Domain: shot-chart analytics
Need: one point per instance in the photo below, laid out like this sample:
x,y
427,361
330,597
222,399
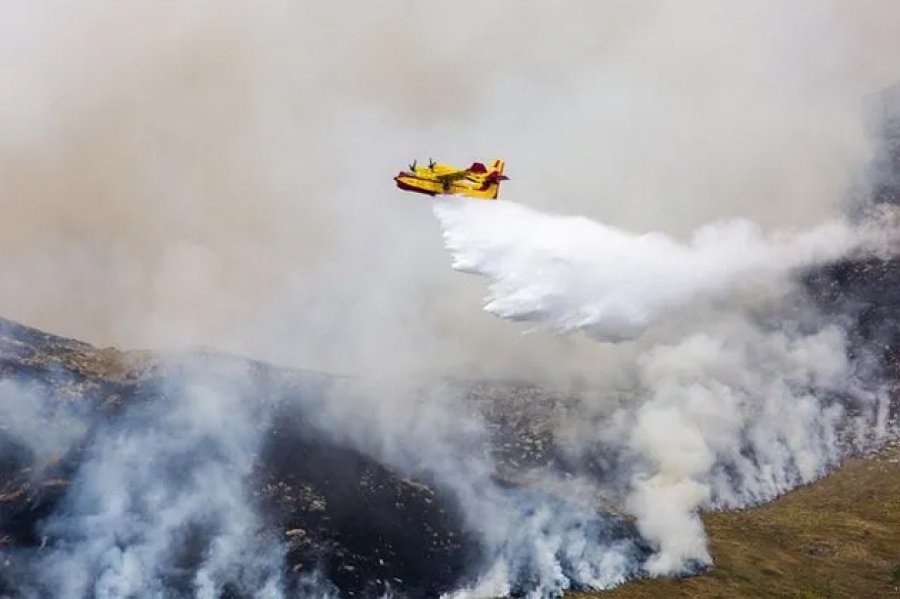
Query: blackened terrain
x,y
343,514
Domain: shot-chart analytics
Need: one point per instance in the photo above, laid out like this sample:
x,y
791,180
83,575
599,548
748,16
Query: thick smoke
x,y
28,418
219,173
533,543
161,484
728,409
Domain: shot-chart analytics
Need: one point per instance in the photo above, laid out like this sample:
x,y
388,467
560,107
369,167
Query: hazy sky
x,y
219,173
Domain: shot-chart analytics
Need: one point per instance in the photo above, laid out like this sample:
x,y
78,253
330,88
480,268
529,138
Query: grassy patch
x,y
839,537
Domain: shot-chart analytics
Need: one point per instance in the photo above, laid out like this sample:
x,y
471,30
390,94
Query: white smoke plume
x,y
732,418
531,542
729,415
159,482
30,420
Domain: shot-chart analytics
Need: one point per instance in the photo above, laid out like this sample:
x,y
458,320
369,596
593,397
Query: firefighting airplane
x,y
443,179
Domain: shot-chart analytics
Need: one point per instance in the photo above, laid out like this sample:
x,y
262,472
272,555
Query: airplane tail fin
x,y
495,177
497,166
490,187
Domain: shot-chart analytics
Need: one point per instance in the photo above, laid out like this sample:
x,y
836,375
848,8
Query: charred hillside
x,y
343,519
863,295
363,526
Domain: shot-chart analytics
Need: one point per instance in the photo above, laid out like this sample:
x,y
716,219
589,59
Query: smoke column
x,y
728,410
157,482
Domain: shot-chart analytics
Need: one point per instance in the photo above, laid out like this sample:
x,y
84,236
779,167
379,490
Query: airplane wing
x,y
452,176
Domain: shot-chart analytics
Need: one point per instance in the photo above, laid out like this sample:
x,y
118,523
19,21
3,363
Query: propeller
x,y
412,166
431,164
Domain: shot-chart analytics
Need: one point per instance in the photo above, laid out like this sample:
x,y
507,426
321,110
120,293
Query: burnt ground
x,y
342,514
864,297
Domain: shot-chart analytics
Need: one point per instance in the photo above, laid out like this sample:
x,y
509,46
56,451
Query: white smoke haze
x,y
216,173
212,172
531,541
155,482
31,420
733,415
729,420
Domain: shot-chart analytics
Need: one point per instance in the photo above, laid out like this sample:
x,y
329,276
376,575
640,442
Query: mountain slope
x,y
835,538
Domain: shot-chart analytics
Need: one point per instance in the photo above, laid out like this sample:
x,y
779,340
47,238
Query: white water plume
x,y
725,411
571,273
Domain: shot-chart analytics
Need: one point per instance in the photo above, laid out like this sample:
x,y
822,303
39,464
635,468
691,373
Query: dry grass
x,y
837,538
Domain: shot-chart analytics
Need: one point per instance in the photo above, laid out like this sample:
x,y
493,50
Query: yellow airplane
x,y
443,179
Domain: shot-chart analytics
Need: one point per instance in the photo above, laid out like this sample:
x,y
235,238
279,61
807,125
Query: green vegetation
x,y
839,537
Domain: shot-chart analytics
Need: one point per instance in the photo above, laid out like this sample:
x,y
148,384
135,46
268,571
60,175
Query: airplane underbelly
x,y
417,185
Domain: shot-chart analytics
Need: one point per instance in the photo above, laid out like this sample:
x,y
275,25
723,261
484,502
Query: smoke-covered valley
x,y
214,174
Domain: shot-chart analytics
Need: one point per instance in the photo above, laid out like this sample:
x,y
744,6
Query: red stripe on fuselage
x,y
407,187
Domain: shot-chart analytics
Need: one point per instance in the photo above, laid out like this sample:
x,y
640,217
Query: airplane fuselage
x,y
442,179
